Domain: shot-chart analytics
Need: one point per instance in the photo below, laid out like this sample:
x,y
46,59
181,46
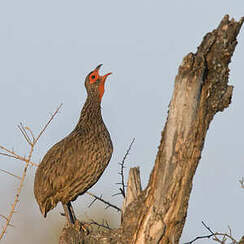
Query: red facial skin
x,y
94,76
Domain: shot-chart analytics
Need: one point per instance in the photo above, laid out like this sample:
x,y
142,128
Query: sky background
x,y
46,50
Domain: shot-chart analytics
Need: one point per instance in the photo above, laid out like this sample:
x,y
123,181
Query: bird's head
x,y
94,83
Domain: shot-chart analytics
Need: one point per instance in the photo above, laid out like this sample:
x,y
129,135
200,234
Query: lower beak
x,y
105,76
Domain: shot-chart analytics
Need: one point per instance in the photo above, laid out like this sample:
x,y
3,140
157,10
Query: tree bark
x,y
201,90
133,189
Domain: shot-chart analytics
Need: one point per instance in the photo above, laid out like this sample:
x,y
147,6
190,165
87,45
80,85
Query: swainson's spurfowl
x,y
75,164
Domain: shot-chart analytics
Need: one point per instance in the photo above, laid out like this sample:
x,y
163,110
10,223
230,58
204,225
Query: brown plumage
x,y
75,163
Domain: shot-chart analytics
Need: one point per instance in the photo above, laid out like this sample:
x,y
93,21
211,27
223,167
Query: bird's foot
x,y
79,226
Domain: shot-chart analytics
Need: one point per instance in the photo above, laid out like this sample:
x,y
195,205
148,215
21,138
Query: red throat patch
x,y
101,89
101,86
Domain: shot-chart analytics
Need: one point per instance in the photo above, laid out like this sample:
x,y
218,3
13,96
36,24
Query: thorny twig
x,y
4,217
9,173
23,130
102,200
47,124
122,164
199,237
215,236
10,153
104,224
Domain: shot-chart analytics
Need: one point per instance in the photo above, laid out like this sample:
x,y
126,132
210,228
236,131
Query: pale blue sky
x,y
46,50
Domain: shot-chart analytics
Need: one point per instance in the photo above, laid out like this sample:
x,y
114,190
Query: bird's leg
x,y
71,210
69,213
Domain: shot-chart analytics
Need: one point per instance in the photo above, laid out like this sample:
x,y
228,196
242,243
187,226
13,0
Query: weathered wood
x,y
200,92
158,214
133,188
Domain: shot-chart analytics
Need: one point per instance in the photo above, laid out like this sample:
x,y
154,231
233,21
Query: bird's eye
x,y
93,77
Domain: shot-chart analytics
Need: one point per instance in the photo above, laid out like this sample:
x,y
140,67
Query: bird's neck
x,y
90,114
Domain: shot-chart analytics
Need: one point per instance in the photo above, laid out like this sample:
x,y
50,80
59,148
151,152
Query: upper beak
x,y
104,77
99,66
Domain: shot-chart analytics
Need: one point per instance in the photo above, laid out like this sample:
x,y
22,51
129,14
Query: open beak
x,y
104,77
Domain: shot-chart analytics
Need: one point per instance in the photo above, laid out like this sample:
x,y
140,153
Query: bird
x,y
74,164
